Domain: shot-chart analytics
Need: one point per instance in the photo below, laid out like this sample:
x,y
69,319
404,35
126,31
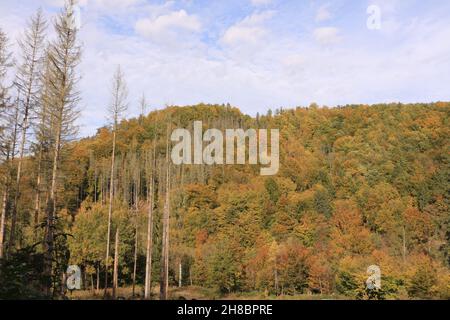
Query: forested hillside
x,y
358,186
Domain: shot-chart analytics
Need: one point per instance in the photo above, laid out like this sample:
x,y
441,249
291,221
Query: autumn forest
x,y
358,185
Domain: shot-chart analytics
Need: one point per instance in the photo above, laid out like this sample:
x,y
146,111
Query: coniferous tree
x,y
116,109
62,101
6,138
28,84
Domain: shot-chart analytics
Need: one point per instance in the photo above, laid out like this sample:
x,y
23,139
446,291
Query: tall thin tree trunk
x,y
135,254
119,91
12,233
180,275
3,216
51,214
116,265
404,244
63,57
4,208
135,239
9,162
166,227
111,198
276,281
148,264
28,75
98,280
37,199
135,263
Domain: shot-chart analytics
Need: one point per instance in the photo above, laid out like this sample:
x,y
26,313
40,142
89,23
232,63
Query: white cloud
x,y
327,35
167,25
251,65
294,60
257,3
104,4
115,3
323,14
55,3
249,31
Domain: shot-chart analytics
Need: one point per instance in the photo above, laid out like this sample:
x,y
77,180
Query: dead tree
x,y
164,288
28,84
116,266
7,136
116,109
64,55
151,197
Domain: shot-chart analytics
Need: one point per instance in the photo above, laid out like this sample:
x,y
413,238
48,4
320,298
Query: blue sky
x,y
255,54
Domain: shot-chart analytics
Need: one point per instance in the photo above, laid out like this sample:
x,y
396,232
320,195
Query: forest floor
x,y
195,293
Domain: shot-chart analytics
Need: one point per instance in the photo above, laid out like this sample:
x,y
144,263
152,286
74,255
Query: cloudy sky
x,y
255,54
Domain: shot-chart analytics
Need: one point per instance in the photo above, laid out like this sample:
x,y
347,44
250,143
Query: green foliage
x,y
347,284
357,186
88,241
422,283
224,272
272,190
21,275
322,203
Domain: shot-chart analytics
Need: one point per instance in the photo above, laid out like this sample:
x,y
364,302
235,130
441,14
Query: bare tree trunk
x,y
276,281
51,212
119,92
5,142
135,262
116,265
4,207
166,227
37,199
148,264
12,233
136,216
98,280
3,217
135,242
27,78
404,244
180,275
9,161
41,137
111,195
63,57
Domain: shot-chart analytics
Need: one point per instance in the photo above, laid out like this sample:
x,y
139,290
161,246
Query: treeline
x,y
42,100
358,186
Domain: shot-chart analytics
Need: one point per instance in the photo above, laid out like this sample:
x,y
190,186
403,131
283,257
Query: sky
x,y
254,54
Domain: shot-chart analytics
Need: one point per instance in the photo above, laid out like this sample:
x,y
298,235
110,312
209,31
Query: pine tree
x,y
28,84
64,56
7,135
116,109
